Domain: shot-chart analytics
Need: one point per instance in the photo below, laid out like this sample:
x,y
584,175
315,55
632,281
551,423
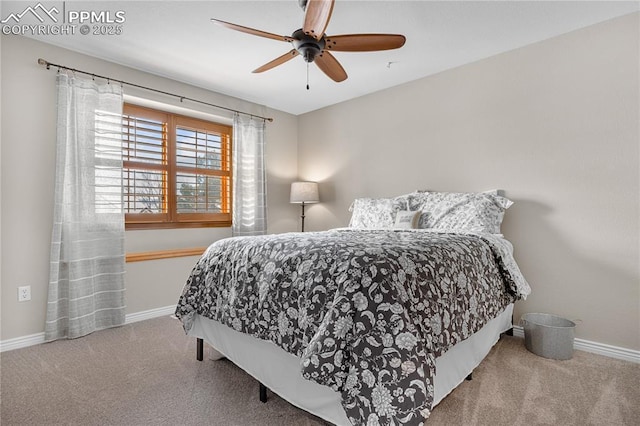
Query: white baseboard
x,y
21,342
36,339
151,313
595,348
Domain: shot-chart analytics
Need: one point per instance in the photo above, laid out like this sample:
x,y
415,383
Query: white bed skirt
x,y
280,371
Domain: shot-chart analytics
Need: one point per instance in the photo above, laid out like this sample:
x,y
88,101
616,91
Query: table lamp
x,y
304,193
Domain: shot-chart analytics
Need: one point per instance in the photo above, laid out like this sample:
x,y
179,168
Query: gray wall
x,y
554,124
28,164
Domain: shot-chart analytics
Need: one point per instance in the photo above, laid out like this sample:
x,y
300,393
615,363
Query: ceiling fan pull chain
x,y
307,75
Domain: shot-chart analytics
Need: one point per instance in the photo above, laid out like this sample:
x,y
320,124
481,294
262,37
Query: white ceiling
x,y
176,39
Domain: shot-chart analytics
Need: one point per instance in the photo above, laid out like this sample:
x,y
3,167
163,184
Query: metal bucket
x,y
548,336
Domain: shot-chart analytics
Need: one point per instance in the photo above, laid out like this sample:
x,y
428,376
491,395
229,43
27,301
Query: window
x,y
177,170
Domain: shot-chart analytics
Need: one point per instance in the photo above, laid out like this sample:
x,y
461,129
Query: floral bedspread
x,y
366,311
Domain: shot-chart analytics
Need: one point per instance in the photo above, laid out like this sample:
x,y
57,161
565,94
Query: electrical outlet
x,y
24,293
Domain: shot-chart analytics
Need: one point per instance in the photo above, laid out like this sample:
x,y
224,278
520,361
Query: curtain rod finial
x,y
43,62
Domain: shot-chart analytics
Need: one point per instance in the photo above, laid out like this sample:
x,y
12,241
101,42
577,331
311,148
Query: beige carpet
x,y
146,374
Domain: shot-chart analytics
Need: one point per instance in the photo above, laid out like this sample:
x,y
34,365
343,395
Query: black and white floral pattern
x,y
452,211
366,311
373,213
460,211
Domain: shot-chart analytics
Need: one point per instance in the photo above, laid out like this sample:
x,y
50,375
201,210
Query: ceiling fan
x,y
314,45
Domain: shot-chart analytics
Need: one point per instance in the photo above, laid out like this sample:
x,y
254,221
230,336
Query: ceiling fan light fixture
x,y
306,45
309,54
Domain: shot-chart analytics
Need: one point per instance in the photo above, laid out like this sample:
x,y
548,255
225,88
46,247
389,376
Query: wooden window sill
x,y
164,254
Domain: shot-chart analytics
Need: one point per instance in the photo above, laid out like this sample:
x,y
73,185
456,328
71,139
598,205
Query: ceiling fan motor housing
x,y
306,45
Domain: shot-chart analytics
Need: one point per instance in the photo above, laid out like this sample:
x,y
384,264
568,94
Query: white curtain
x,y
249,177
86,280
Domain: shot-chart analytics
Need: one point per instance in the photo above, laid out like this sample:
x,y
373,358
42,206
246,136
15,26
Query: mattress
x,y
280,371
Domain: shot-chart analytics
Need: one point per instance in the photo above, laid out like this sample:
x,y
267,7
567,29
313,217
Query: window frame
x,y
171,218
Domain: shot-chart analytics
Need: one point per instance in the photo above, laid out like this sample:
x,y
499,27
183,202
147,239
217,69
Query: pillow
x,y
372,213
375,212
474,212
407,219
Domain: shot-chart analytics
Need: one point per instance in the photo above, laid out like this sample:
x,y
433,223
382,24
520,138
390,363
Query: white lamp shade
x,y
304,192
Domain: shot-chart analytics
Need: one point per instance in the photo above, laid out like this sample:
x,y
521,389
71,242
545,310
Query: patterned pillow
x,y
475,212
375,212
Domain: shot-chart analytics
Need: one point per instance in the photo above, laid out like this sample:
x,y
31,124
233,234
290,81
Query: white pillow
x,y
407,219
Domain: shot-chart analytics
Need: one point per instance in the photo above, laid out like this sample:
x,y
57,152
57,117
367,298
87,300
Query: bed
x,y
370,324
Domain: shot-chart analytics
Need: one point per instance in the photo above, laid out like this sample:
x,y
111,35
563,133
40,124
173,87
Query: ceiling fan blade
x,y
278,61
251,31
364,42
330,66
316,17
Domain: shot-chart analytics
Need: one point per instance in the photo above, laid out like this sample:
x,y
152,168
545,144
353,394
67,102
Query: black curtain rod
x,y
182,98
